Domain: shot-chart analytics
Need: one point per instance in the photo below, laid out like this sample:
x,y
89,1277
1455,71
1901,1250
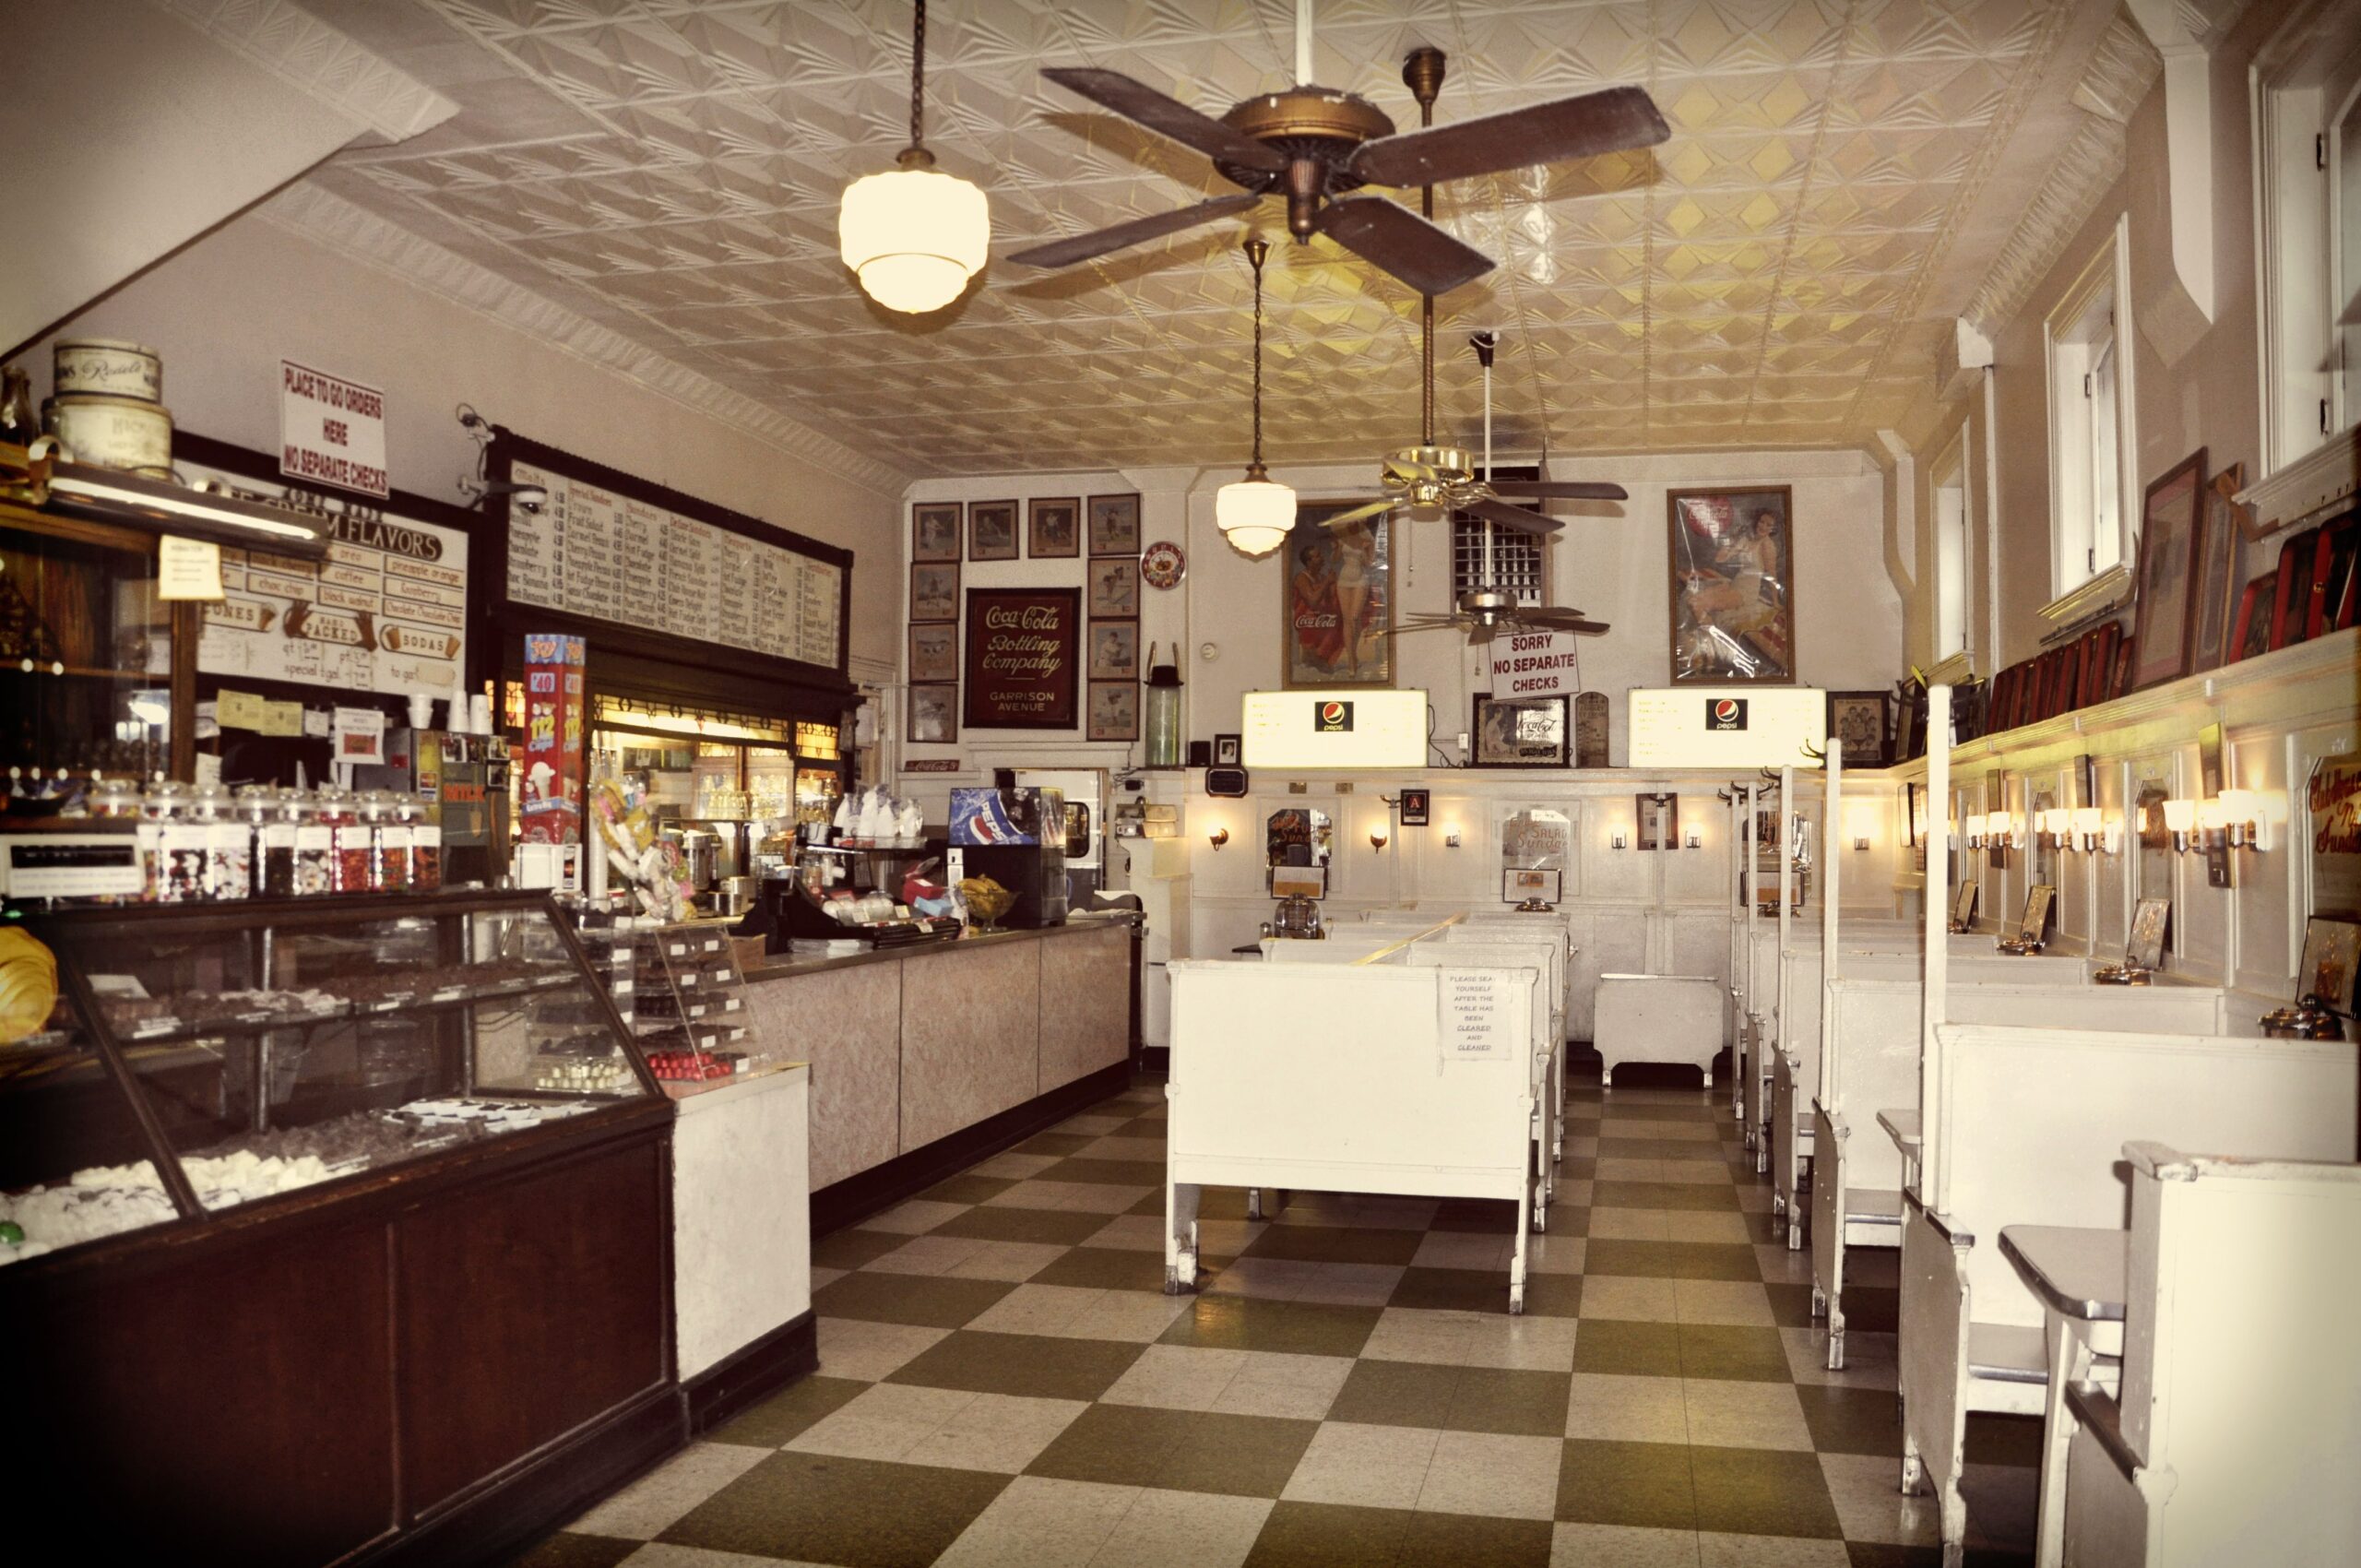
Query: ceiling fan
x,y
1488,608
1314,143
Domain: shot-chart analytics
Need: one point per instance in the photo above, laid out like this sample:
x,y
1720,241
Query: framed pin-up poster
x,y
1336,600
1732,586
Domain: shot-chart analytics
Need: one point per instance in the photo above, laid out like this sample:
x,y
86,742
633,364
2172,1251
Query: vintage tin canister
x,y
114,433
108,367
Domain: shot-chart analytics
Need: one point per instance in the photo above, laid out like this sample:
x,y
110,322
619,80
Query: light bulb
x,y
1255,514
914,236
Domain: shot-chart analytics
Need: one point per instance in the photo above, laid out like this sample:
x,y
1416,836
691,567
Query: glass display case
x,y
86,650
203,1057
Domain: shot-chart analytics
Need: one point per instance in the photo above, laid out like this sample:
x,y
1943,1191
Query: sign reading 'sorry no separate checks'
x,y
1024,659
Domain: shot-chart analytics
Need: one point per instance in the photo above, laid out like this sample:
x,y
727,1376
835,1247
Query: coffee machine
x,y
462,780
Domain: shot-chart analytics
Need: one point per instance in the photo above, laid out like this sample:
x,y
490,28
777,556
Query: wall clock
x,y
1162,564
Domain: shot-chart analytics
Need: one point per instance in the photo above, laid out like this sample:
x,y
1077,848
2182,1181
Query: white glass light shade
x,y
2180,815
1254,515
914,236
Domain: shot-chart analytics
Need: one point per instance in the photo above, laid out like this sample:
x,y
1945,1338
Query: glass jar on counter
x,y
160,805
340,814
258,810
114,798
315,868
425,848
274,846
183,842
391,830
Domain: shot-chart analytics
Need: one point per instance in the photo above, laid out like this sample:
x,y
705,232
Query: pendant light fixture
x,y
914,237
1257,512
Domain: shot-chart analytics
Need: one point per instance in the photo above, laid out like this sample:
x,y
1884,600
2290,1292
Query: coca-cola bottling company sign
x,y
1024,659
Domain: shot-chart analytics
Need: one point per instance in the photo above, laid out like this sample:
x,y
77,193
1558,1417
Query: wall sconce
x,y
2180,816
2243,821
1377,840
1694,838
1974,824
2058,823
2095,833
1619,837
1451,837
1217,838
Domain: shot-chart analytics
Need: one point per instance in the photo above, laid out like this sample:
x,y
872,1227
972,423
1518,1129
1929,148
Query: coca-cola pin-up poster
x,y
1337,601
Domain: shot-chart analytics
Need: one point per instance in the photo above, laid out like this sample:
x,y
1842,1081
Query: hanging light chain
x,y
1255,251
917,76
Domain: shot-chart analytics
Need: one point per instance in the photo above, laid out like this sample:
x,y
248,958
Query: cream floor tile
x,y
1226,1237
1687,1172
1268,1279
1519,1344
1730,1301
1631,1297
1870,1508
1626,1409
1868,1358
653,1504
1095,1124
1407,1335
1621,1546
1628,1225
1004,1433
851,1347
1505,1478
1351,1284
915,1218
1070,1197
1184,1529
1039,1522
1745,1415
928,1254
1705,1225
1179,1377
1132,1232
1011,1166
1038,1308
1684,1130
1133,1317
1718,1551
1270,1383
884,1422
1369,1467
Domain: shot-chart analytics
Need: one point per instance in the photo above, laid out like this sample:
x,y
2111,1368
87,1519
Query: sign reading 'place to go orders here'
x,y
331,431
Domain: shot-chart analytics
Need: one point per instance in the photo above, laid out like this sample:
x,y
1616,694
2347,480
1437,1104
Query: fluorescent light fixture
x,y
1727,726
107,495
1351,727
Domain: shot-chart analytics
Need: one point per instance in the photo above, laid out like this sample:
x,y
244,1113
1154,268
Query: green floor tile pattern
x,y
1327,1397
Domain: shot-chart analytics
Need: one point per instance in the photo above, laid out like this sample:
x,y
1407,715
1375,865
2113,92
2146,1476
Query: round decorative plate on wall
x,y
1162,566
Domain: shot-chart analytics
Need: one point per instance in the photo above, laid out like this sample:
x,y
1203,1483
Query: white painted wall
x,y
225,311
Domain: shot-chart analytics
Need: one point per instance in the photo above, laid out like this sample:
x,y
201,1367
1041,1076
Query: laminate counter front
x,y
914,1045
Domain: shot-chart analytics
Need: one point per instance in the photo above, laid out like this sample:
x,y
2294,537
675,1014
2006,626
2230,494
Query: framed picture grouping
x,y
1732,586
934,591
1115,525
1115,588
1053,528
1528,732
991,530
934,652
934,530
1337,601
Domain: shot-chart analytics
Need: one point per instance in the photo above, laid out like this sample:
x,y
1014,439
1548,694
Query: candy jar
x,y
188,817
315,862
158,808
390,837
339,814
230,841
425,850
275,845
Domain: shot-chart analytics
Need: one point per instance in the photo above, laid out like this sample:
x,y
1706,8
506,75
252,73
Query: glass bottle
x,y
274,846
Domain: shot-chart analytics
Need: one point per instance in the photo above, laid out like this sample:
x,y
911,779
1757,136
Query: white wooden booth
x,y
1377,1077
1549,1045
1676,1020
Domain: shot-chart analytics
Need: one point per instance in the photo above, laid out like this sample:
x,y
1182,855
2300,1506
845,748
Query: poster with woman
x,y
1733,595
1337,601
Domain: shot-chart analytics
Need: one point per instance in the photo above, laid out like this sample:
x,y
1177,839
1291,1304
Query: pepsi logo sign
x,y
1726,713
1332,718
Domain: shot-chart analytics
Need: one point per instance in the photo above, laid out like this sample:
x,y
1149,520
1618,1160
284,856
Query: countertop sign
x,y
1476,1015
331,431
1024,659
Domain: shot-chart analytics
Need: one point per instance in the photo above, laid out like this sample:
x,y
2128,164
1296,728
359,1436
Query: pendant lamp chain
x,y
1255,251
918,77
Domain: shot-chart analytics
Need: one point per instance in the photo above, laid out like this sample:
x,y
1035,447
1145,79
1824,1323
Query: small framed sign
x,y
1415,806
1531,884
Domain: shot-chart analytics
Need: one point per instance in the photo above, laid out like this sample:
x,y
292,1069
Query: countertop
x,y
781,966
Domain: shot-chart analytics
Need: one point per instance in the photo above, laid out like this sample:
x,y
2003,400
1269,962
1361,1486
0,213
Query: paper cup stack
x,y
107,406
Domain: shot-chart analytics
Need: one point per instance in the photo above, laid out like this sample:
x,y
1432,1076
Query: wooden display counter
x,y
924,1058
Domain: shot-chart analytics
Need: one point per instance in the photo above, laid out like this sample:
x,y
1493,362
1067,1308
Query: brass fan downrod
x,y
1422,73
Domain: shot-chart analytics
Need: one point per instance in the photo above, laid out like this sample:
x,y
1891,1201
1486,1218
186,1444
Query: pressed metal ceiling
x,y
1841,175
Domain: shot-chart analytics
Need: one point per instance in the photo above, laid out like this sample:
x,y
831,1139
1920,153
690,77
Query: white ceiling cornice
x,y
326,218
320,61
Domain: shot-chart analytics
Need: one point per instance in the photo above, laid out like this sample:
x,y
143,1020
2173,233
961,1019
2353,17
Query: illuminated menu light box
x,y
1355,727
1727,726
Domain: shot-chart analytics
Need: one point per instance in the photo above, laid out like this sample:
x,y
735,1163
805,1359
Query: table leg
x,y
2070,1361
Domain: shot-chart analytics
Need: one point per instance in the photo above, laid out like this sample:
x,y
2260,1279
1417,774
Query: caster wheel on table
x,y
1516,1302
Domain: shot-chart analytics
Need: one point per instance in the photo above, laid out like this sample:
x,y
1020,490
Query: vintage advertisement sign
x,y
552,758
331,431
1024,659
386,611
2332,801
1535,664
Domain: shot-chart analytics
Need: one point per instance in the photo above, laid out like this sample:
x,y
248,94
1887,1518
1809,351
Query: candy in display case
x,y
201,1058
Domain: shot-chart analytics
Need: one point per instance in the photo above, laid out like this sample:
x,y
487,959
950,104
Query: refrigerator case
x,y
1017,836
1087,806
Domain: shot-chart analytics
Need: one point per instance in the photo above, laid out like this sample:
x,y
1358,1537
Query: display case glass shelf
x,y
205,1057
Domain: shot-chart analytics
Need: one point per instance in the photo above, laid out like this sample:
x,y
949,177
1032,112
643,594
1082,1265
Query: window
x,y
2090,419
1517,560
1954,593
2307,185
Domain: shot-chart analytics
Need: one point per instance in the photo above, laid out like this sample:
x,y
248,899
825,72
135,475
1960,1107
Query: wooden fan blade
x,y
1082,247
1510,516
1564,621
1345,519
1402,243
1143,105
1611,121
1564,490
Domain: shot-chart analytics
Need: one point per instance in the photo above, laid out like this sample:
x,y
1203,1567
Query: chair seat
x,y
2007,1352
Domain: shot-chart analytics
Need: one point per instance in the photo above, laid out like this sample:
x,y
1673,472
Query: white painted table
x,y
1667,1018
2078,1273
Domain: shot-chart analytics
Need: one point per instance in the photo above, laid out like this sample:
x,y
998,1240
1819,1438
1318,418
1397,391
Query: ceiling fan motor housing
x,y
1316,128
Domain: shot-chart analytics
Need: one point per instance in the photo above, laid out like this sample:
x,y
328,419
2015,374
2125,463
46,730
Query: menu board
x,y
386,611
593,553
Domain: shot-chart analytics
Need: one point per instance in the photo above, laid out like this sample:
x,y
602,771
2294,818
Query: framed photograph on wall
x,y
1114,710
991,530
1416,805
1528,732
1114,650
1115,525
934,652
2221,570
1228,750
1053,528
934,591
934,530
2167,603
1732,588
1857,723
934,715
1336,600
1115,588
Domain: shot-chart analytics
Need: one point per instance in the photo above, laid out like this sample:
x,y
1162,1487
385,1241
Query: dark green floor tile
x,y
1513,1404
1063,1146
1761,1491
1326,1534
1733,1354
1454,1289
1628,1349
1480,1216
1113,1172
1236,1455
1673,1260
779,1419
860,1513
1644,1484
1663,1194
1566,1219
1852,1420
966,1189
2003,1440
1337,1243
1056,1225
1105,1269
1034,1366
566,1549
1791,1305
1398,1393
1465,1541
922,1300
854,1248
1112,1445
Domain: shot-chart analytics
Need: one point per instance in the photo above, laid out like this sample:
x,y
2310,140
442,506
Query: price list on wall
x,y
590,551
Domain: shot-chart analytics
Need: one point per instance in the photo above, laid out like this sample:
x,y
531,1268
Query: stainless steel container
x,y
114,433
737,896
701,852
108,367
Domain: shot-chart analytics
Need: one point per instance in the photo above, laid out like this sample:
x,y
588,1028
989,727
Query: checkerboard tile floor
x,y
1002,1382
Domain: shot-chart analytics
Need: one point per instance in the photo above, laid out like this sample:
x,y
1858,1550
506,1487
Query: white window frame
x,y
1952,509
2304,84
2084,550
